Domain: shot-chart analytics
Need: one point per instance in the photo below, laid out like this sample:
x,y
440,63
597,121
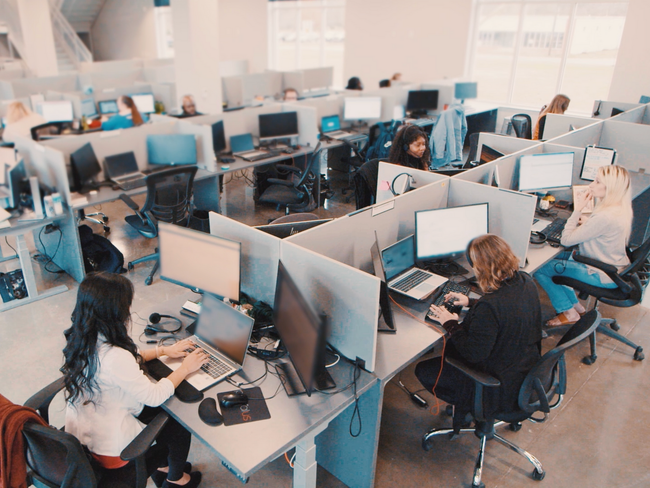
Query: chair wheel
x,y
614,326
148,280
515,427
105,218
426,445
449,410
480,485
107,229
130,266
638,354
537,476
589,360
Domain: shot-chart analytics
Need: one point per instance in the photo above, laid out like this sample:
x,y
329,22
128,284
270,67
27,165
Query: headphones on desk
x,y
537,237
153,327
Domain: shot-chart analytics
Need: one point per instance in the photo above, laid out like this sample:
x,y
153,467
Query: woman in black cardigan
x,y
500,335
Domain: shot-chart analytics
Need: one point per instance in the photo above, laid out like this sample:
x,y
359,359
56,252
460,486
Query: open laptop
x,y
401,274
331,127
386,320
107,107
222,332
122,169
242,146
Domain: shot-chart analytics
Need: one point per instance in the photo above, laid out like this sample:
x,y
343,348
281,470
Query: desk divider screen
x,y
260,253
388,172
307,123
630,141
646,115
511,213
503,144
602,109
203,137
325,106
349,298
558,124
583,137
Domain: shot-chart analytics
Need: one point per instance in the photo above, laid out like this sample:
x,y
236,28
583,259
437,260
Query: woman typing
x,y
128,115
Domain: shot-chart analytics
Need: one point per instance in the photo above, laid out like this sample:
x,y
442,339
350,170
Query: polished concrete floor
x,y
598,437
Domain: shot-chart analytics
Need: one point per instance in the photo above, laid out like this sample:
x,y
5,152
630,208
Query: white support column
x,y
36,24
196,52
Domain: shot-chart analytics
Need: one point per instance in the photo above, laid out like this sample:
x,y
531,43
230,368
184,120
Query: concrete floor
x,y
596,438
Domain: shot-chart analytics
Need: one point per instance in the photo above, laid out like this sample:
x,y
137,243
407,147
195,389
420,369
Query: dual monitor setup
x,y
212,265
63,110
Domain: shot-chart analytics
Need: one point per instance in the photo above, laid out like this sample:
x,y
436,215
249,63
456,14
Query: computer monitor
x,y
362,108
465,90
88,108
58,111
304,334
218,137
85,167
172,149
290,228
443,233
546,171
144,102
489,154
422,100
107,107
279,125
16,177
199,261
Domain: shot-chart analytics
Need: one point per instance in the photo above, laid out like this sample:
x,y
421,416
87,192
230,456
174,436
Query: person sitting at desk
x,y
128,115
500,335
20,121
354,83
558,105
410,148
290,95
189,107
602,236
109,398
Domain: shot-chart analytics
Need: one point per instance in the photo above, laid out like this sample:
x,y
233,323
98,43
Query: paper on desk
x,y
4,215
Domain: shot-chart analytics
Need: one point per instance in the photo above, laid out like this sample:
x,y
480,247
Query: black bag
x,y
98,252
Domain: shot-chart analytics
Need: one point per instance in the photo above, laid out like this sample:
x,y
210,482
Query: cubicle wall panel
x,y
388,173
581,137
348,297
634,115
307,123
325,106
259,258
558,124
204,147
630,142
602,109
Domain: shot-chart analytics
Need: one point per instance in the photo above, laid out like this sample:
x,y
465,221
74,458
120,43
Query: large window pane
x,y
335,41
286,37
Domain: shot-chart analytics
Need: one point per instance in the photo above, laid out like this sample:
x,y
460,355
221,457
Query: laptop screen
x,y
399,257
330,123
241,143
121,164
224,328
108,107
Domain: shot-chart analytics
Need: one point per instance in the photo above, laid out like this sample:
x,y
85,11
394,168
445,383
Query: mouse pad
x,y
239,414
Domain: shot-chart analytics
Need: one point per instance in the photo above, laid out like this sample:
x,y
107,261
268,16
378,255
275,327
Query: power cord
x,y
43,257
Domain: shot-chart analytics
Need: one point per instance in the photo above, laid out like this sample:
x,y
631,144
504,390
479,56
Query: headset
x,y
537,237
467,256
153,327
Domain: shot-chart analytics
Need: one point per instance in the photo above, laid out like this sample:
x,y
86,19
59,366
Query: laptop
x,y
331,127
401,274
108,107
386,320
243,147
223,332
122,169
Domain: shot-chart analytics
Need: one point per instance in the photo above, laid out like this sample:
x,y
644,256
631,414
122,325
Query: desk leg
x,y
305,466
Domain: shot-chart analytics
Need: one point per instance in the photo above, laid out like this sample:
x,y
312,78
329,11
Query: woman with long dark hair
x,y
109,398
411,148
128,115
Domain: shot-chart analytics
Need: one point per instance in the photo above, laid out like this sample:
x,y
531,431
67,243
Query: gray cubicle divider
x,y
602,109
581,137
634,115
260,255
30,86
325,106
388,173
503,144
6,90
630,141
232,91
646,115
558,124
203,136
348,297
316,78
112,92
511,213
307,123
445,91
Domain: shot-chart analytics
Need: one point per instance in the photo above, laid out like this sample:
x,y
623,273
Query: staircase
x,y
63,59
81,14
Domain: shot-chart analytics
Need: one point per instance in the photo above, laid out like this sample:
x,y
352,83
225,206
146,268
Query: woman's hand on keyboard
x,y
194,360
178,349
457,298
442,315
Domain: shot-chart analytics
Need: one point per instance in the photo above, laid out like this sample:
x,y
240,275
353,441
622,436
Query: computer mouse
x,y
233,399
208,412
225,166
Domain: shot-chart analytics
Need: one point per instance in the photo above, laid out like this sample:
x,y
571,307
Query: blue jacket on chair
x,y
448,136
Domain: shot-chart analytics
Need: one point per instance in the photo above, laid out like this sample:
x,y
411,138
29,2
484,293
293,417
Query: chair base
x,y
103,220
155,256
609,328
537,474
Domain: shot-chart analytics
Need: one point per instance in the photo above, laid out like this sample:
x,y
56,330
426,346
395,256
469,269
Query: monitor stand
x,y
445,268
418,114
293,385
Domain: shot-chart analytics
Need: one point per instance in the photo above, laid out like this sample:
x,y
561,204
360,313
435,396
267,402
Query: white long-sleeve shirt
x,y
108,425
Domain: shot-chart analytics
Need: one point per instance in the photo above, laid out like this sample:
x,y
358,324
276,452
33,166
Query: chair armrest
x,y
277,181
286,167
609,269
477,376
41,400
132,205
143,441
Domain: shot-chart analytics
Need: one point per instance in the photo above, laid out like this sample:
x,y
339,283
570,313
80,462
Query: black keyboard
x,y
132,183
411,281
553,231
259,157
439,299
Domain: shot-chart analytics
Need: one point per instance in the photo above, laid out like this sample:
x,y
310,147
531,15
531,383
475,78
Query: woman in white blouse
x,y
109,398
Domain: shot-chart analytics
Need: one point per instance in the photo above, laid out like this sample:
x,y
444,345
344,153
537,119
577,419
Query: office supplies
x,y
198,260
144,102
304,334
122,169
57,111
223,333
546,171
243,147
290,228
85,167
208,412
107,107
419,102
171,149
386,320
362,108
553,231
278,125
594,158
331,127
403,276
465,90
218,138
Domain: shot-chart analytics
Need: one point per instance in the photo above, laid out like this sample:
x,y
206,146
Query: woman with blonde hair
x,y
128,115
500,335
558,105
603,235
20,121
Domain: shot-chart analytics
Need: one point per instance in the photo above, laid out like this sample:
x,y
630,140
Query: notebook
x,y
403,276
122,169
222,332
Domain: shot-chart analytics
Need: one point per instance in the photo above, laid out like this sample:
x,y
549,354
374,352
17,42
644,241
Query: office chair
x,y
47,129
522,125
96,217
365,183
56,459
541,391
297,192
354,162
629,291
169,199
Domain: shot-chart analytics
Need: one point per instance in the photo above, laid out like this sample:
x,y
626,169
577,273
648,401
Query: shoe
x,y
159,477
560,320
195,479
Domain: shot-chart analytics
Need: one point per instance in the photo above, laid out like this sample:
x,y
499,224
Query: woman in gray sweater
x,y
602,235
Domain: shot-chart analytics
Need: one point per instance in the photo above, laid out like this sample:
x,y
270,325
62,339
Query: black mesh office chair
x,y
297,192
56,459
522,125
629,290
169,199
541,391
365,183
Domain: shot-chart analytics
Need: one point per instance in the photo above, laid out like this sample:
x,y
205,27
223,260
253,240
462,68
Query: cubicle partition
x,y
30,86
630,142
241,90
634,115
392,177
558,124
581,137
325,106
602,109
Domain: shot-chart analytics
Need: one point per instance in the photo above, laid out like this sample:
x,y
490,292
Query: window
x,y
307,34
526,51
164,32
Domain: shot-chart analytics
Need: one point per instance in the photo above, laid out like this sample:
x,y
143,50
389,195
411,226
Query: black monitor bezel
x,y
221,139
278,125
414,97
78,179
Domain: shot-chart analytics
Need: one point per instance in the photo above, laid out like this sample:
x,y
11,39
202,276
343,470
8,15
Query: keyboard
x,y
259,157
130,184
215,367
411,281
439,301
553,231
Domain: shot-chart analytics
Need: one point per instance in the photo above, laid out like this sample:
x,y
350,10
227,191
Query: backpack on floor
x,y
99,253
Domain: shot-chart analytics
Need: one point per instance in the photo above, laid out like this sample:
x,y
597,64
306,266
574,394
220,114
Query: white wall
x,y
631,77
423,40
125,29
243,32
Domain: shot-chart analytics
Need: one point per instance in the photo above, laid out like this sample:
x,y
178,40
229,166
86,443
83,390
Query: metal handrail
x,y
69,39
